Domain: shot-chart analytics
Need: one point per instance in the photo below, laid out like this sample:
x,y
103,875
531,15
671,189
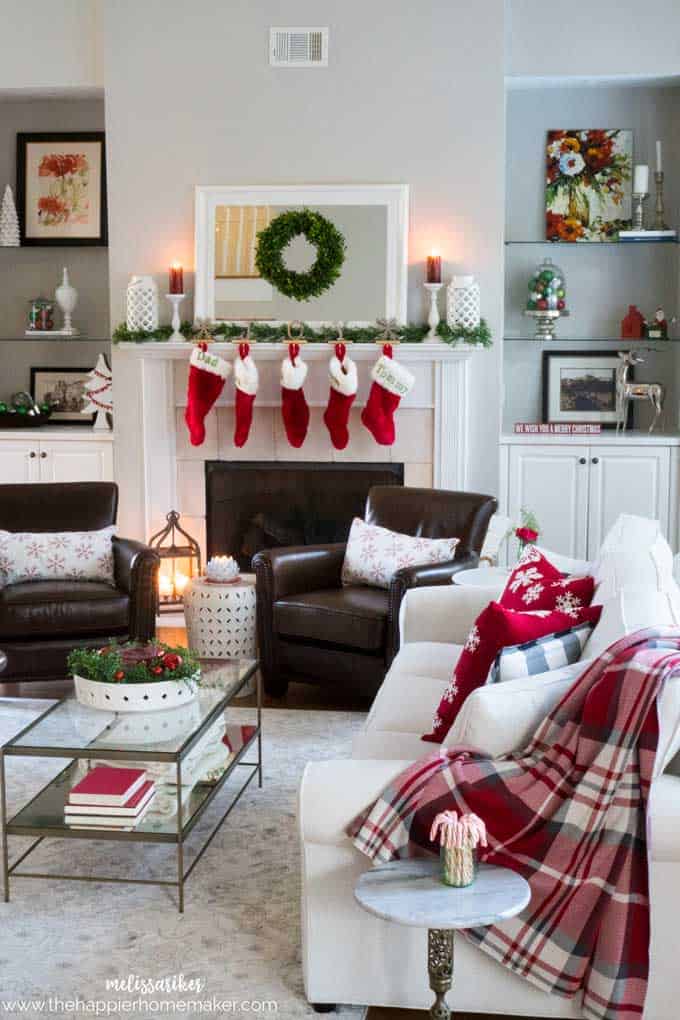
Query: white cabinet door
x,y
19,460
552,482
75,461
632,480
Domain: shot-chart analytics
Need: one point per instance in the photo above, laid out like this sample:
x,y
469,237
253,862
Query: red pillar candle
x,y
176,279
434,268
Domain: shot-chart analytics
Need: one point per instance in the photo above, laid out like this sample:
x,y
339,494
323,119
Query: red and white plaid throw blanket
x,y
568,813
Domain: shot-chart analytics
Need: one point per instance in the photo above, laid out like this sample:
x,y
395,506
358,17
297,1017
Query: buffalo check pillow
x,y
56,556
374,554
495,628
536,584
540,655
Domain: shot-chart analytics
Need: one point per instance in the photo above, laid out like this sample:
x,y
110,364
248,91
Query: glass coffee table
x,y
189,751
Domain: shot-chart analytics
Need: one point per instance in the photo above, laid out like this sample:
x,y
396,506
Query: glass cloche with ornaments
x,y
547,298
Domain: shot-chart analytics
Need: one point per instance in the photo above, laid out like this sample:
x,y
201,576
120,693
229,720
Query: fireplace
x,y
253,505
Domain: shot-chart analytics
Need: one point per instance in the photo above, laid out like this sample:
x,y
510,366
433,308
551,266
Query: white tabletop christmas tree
x,y
99,393
9,221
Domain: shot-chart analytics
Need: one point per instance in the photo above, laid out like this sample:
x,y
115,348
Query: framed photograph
x,y
61,188
588,184
64,389
580,386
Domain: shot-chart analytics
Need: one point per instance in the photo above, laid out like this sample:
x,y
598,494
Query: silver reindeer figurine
x,y
626,391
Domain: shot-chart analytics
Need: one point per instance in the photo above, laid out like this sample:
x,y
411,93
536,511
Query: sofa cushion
x,y
353,616
374,554
634,554
631,610
416,681
40,609
56,556
540,655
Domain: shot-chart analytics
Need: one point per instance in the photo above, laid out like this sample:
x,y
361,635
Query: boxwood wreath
x,y
134,662
321,233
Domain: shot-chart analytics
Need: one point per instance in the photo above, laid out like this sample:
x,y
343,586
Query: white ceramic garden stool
x,y
220,619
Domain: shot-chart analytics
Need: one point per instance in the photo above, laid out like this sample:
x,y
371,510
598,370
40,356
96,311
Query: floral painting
x,y
61,188
588,184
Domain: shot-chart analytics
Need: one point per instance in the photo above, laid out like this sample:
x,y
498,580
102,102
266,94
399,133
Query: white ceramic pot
x,y
151,697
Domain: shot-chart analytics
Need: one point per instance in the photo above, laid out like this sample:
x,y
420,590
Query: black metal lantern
x,y
180,556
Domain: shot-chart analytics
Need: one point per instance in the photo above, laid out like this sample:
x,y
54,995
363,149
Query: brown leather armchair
x,y
311,628
42,621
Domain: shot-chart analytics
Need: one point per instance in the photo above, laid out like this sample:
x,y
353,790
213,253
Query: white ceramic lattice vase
x,y
463,302
142,303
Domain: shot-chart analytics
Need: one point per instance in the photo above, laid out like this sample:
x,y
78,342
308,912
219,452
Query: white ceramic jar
x,y
463,305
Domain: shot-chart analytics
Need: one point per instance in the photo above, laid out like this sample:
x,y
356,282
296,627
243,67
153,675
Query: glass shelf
x,y
591,340
596,244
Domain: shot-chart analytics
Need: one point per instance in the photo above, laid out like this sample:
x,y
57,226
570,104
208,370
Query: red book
x,y
130,809
107,786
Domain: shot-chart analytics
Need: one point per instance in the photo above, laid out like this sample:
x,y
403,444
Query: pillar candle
x,y
641,179
434,268
659,163
176,279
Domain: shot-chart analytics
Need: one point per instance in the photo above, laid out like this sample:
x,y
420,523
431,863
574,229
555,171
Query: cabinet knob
x,y
43,454
582,460
32,454
596,460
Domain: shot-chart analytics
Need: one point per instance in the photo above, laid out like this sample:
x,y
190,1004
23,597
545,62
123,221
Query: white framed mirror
x,y
373,281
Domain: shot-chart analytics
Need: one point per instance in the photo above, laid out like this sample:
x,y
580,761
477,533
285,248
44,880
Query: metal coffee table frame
x,y
9,827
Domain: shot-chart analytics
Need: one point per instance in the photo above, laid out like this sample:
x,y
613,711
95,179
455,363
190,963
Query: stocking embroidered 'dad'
x,y
207,375
294,406
247,382
390,382
344,384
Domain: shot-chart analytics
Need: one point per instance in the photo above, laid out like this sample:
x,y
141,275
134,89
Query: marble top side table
x,y
412,893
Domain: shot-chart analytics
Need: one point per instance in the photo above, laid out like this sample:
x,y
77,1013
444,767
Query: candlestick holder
x,y
659,222
638,215
433,318
176,300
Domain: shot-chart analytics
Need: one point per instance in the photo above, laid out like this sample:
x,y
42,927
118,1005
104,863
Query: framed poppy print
x,y
61,188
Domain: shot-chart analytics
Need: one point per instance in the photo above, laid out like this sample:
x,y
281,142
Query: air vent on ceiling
x,y
298,47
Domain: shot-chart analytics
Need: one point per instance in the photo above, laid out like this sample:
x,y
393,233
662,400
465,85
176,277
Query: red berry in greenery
x,y
157,670
172,661
120,675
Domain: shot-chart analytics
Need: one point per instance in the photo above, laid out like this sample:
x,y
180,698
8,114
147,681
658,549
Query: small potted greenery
x,y
134,676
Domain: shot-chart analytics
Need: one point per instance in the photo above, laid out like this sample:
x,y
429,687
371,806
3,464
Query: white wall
x,y
50,44
190,99
609,37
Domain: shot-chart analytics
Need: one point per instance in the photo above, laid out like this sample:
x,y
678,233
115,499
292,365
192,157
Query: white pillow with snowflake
x,y
56,556
374,554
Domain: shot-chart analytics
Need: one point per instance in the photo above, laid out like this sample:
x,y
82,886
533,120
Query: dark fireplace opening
x,y
253,505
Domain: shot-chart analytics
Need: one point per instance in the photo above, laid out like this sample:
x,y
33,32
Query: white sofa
x,y
352,957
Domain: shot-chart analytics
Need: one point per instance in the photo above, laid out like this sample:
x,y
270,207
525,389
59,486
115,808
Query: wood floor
x,y
298,696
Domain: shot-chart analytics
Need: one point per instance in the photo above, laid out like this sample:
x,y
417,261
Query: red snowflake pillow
x,y
536,584
496,627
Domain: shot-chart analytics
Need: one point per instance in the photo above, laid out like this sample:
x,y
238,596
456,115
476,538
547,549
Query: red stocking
x,y
293,404
391,382
343,379
207,375
247,380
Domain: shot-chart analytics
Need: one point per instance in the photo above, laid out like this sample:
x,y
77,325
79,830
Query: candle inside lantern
x,y
165,589
659,161
181,581
176,278
434,268
641,179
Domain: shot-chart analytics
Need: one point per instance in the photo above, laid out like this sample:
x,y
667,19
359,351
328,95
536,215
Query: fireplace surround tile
x,y
191,487
413,444
418,476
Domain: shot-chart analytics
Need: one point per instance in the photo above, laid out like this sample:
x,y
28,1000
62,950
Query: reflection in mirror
x,y
240,293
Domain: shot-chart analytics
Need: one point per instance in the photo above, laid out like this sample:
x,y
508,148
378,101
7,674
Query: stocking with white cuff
x,y
247,380
294,406
343,380
391,382
207,375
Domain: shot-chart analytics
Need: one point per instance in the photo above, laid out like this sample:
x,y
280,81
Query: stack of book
x,y
109,798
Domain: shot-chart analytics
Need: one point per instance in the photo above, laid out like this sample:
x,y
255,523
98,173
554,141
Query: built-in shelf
x,y
656,344
55,339
594,245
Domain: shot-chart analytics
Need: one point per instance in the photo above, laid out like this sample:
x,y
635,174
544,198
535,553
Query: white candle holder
x,y
659,220
433,318
176,300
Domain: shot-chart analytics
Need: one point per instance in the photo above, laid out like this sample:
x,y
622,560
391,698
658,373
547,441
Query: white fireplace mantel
x,y
146,398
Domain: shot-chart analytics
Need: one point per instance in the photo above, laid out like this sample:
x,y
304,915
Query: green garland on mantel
x,y
261,332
